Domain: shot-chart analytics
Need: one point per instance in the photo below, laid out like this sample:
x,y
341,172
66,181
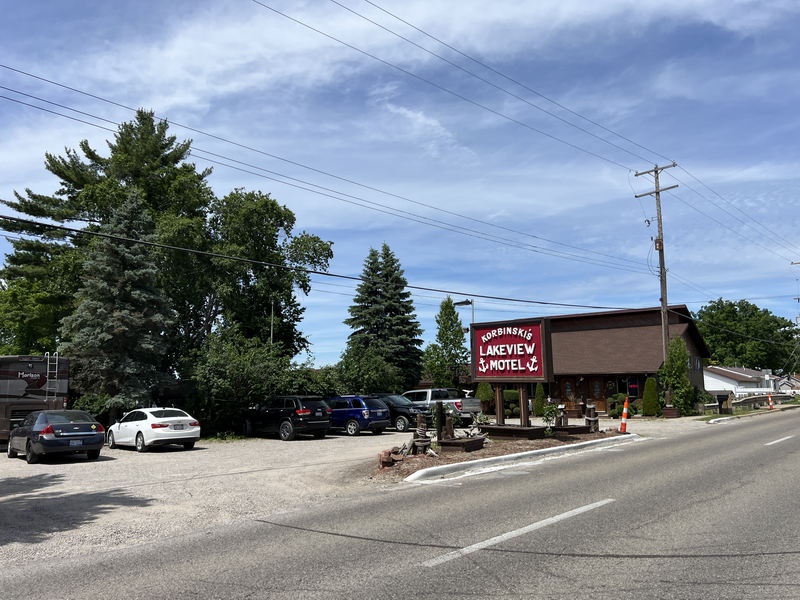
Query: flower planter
x,y
512,431
462,444
671,412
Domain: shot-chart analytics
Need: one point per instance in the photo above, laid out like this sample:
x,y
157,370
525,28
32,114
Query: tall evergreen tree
x,y
203,292
445,361
115,337
382,316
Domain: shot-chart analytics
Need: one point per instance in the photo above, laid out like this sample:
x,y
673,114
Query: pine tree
x,y
445,361
382,316
115,337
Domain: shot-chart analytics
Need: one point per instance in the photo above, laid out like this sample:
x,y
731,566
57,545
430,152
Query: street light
x,y
468,302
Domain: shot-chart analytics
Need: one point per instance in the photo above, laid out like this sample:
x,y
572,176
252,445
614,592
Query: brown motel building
x,y
587,358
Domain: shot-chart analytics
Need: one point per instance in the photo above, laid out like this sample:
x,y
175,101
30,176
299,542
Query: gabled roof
x,y
737,373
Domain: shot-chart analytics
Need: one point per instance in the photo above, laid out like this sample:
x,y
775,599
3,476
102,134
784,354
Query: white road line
x,y
512,534
783,439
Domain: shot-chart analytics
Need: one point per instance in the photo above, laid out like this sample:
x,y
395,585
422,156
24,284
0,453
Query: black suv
x,y
403,412
289,415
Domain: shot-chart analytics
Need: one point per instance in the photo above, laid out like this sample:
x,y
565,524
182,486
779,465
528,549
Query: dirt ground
x,y
411,464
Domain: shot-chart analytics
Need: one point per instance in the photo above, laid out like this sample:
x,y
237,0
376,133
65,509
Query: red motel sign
x,y
511,351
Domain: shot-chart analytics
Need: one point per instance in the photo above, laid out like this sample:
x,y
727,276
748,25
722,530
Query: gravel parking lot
x,y
68,505
65,506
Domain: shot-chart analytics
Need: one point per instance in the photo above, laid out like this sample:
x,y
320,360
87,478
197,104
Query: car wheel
x,y
188,445
286,431
30,456
352,427
401,424
377,431
93,454
10,452
111,442
140,446
320,434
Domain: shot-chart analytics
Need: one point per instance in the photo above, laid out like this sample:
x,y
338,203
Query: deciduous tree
x,y
742,334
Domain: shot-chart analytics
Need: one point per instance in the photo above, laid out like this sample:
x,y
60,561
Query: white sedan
x,y
145,427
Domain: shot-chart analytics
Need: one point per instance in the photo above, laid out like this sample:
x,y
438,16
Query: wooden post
x,y
439,419
500,415
524,413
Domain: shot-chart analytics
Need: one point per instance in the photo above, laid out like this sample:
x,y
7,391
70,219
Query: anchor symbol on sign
x,y
484,367
533,364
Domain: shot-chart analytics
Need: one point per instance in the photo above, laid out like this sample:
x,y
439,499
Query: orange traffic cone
x,y
624,425
770,401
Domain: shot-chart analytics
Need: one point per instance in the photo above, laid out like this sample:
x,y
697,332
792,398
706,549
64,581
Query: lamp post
x,y
468,302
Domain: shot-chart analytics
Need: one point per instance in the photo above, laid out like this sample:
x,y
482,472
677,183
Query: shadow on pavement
x,y
30,511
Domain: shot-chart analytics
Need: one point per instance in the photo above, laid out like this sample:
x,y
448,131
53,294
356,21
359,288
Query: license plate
x,y
177,426
318,413
76,443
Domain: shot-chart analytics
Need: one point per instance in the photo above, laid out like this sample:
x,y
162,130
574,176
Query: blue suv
x,y
354,413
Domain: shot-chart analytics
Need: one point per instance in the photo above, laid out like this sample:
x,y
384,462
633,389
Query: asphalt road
x,y
710,514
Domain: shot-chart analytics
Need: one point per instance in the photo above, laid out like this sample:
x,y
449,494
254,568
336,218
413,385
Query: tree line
x,y
145,324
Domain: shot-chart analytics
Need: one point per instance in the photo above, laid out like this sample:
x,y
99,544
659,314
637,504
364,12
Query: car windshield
x,y
374,403
69,416
397,400
167,413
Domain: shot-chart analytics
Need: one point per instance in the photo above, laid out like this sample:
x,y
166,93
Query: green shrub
x,y
510,397
508,412
538,401
516,411
650,400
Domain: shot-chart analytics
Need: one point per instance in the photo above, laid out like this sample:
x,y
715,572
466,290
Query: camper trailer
x,y
29,383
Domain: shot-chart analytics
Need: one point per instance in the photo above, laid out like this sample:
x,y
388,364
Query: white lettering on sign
x,y
523,333
28,376
507,349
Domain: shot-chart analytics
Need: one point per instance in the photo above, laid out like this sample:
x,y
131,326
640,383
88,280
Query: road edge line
x,y
435,472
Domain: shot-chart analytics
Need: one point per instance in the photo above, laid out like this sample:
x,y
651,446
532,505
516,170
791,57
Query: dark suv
x,y
403,412
354,413
289,415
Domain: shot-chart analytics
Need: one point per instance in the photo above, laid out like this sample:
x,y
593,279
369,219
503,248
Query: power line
x,y
729,213
488,82
519,83
443,88
791,245
371,205
429,206
127,240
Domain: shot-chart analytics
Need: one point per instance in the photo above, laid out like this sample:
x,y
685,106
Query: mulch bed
x,y
403,469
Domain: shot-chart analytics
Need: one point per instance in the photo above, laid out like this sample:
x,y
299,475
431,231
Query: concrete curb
x,y
778,408
437,472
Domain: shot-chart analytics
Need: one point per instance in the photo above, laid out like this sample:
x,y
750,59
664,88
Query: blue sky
x,y
710,84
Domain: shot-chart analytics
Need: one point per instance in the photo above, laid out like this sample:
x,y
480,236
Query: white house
x,y
740,381
790,384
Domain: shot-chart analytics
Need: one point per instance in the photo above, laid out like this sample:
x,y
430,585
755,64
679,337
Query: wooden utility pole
x,y
659,242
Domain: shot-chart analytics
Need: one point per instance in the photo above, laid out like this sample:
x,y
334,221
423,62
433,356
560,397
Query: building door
x,y
596,392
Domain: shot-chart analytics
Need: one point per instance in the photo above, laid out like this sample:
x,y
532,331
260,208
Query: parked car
x,y
289,415
426,399
46,432
402,412
146,427
354,413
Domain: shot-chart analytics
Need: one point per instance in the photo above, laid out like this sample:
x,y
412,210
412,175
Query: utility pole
x,y
659,242
797,318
